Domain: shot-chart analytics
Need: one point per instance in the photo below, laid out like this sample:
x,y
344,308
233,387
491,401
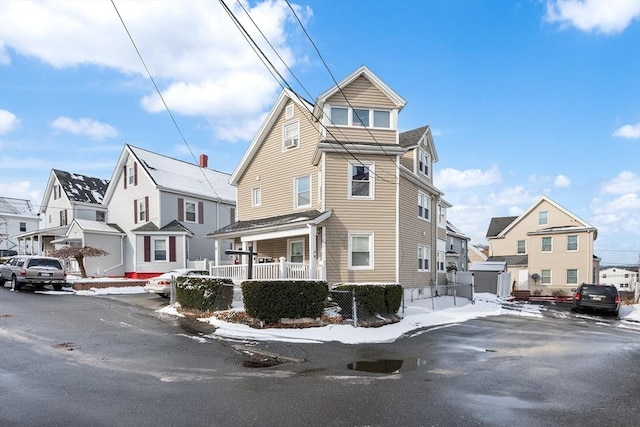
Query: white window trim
x,y
372,180
429,200
371,237
427,161
256,196
296,192
542,245
550,278
577,243
131,175
195,207
286,145
577,276
525,247
289,252
142,210
426,255
329,121
440,261
442,215
540,218
288,111
153,248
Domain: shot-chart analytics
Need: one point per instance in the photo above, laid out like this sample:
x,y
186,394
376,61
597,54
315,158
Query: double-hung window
x,y
545,277
360,251
424,206
142,210
547,244
442,216
160,249
23,226
572,243
361,180
424,163
291,135
303,191
190,211
522,247
441,260
131,174
256,196
572,276
543,218
424,255
296,250
63,217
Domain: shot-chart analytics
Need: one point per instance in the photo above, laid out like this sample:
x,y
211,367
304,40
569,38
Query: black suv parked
x,y
596,297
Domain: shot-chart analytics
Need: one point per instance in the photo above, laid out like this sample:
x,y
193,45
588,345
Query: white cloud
x,y
21,190
617,216
607,17
562,181
452,178
625,182
85,126
8,121
517,195
628,131
198,58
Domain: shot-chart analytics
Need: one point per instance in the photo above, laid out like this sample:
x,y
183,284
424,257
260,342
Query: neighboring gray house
x,y
165,207
16,216
68,196
457,248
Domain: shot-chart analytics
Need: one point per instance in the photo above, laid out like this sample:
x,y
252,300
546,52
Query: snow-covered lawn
x,y
418,317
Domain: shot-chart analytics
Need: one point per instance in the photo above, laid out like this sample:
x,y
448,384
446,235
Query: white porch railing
x,y
267,271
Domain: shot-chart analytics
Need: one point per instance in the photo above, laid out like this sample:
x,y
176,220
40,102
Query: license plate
x,y
45,274
597,297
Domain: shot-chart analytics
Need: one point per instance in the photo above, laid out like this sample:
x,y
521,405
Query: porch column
x,y
313,255
216,252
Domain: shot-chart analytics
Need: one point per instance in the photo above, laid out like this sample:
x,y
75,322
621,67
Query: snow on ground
x,y
418,316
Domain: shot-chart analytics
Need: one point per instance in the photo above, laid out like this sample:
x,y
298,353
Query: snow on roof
x,y
185,177
89,225
82,188
21,207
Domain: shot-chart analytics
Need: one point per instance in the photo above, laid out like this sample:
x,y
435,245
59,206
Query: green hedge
x,y
376,299
270,301
204,293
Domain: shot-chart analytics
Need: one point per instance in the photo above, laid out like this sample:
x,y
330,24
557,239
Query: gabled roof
x,y
76,187
362,71
175,176
271,223
17,207
477,251
285,96
453,230
498,224
412,139
511,260
583,223
172,227
97,226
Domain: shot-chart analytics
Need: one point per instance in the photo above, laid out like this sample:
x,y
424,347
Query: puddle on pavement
x,y
259,363
385,366
193,326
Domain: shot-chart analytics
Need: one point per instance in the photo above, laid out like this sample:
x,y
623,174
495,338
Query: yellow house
x,y
333,191
547,249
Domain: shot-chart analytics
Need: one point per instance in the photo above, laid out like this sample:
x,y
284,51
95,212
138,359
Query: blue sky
x,y
525,98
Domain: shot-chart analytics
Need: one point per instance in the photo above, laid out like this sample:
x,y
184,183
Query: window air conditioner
x,y
290,142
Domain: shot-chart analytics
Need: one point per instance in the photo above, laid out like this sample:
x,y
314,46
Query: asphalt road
x,y
113,361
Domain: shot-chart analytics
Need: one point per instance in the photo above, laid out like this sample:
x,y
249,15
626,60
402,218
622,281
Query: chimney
x,y
204,161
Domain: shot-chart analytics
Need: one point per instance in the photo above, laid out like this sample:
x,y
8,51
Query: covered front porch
x,y
290,247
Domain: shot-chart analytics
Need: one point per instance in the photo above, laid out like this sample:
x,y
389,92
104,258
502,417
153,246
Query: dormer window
x,y
360,117
424,163
291,135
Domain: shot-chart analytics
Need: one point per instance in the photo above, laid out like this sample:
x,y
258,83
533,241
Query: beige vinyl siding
x,y
413,232
274,170
408,159
375,216
361,93
442,232
360,134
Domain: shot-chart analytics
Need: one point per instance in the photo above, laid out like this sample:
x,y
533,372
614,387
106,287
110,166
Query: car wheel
x,y
1,281
57,287
15,285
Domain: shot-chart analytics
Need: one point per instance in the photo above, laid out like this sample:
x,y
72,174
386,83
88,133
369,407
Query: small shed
x,y
488,275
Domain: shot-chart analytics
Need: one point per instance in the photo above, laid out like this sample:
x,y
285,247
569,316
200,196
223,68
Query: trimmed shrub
x,y
270,301
204,293
376,299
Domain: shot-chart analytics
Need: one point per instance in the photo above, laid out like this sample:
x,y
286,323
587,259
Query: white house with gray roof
x,y
165,207
16,216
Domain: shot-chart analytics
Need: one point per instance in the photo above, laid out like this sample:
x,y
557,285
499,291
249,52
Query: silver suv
x,y
34,271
